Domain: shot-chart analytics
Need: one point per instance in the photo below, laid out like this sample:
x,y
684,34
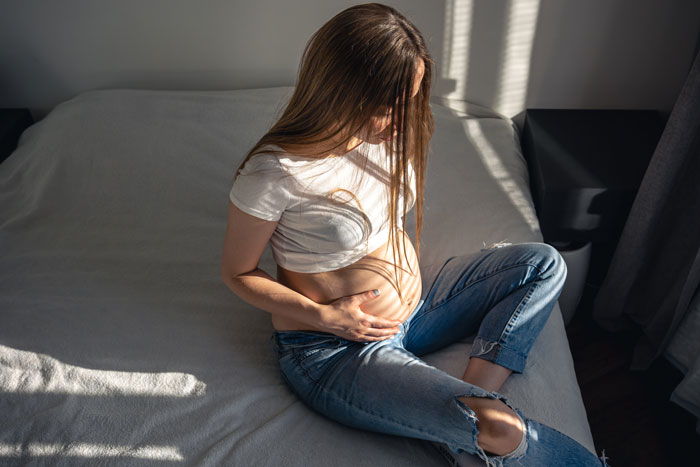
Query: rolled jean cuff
x,y
498,354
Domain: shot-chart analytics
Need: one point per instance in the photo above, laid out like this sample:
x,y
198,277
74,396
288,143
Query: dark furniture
x,y
585,169
12,123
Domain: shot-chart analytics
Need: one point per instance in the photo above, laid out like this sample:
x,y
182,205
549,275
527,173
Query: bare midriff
x,y
373,271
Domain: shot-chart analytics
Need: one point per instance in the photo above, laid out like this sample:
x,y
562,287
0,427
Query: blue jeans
x,y
503,294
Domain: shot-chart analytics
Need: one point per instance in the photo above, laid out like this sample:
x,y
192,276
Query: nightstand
x,y
585,169
12,123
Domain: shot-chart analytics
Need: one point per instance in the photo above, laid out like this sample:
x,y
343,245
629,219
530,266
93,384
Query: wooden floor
x,y
630,413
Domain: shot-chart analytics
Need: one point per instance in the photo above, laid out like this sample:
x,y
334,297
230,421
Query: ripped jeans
x,y
505,294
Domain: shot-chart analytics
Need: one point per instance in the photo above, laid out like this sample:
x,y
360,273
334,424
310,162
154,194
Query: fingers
x,y
372,334
369,338
379,328
371,328
367,296
386,332
380,323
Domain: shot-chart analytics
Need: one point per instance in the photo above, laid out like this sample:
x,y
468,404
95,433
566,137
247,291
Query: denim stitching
x,y
475,281
312,343
362,409
300,355
304,370
517,311
429,289
438,274
404,425
373,414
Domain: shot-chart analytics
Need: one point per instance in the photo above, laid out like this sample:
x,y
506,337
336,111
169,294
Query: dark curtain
x,y
655,269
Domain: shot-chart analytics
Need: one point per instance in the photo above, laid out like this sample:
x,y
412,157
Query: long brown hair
x,y
359,64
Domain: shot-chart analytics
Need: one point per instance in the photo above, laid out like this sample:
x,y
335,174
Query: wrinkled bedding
x,y
120,344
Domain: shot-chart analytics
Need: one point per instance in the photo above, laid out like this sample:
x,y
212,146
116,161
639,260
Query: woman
x,y
329,186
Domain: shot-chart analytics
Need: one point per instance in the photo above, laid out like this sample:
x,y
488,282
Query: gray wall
x,y
506,55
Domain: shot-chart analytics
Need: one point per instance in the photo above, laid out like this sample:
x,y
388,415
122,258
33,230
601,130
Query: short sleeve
x,y
261,188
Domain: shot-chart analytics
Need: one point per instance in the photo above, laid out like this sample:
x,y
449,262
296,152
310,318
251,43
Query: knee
x,y
552,263
499,427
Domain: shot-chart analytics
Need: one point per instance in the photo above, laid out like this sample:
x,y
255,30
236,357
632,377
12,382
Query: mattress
x,y
121,345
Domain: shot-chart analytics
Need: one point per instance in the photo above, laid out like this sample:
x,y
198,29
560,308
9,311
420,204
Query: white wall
x,y
506,55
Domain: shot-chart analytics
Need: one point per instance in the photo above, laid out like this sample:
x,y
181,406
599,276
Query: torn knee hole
x,y
497,431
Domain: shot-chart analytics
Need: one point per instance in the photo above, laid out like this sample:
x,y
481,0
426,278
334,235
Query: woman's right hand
x,y
343,317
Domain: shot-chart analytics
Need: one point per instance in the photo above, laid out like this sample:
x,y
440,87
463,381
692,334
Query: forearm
x,y
262,291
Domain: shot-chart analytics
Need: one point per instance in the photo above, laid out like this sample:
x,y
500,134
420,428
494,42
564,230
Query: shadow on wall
x,y
501,54
509,28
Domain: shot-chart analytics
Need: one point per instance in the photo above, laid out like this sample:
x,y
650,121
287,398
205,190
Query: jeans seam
x,y
373,414
325,342
517,311
438,274
306,373
299,362
300,366
430,289
317,385
475,281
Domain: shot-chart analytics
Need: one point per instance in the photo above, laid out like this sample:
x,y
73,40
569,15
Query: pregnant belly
x,y
374,271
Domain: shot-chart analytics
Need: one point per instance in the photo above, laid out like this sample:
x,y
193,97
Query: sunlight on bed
x,y
27,372
89,450
492,162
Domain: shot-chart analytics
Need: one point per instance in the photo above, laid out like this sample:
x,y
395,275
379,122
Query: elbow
x,y
230,280
233,275
227,275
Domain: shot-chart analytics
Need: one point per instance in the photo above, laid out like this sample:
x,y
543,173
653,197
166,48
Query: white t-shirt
x,y
331,211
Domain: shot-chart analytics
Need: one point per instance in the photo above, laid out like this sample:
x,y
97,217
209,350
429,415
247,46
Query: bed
x,y
119,342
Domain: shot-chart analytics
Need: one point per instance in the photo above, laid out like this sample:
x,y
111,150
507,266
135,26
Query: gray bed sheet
x,y
119,343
